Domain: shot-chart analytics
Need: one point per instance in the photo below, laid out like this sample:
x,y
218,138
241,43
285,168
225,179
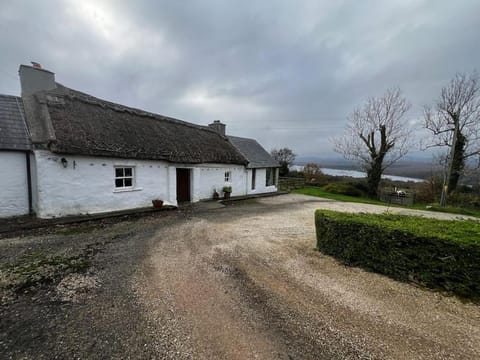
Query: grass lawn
x,y
316,191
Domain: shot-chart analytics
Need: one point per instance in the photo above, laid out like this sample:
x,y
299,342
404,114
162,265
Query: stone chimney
x,y
218,126
34,78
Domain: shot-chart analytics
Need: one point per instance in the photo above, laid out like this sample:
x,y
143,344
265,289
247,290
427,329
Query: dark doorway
x,y
183,185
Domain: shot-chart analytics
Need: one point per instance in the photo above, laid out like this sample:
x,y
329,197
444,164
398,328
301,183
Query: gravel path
x,y
240,282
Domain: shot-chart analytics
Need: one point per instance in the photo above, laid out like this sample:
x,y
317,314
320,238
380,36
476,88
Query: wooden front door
x,y
183,185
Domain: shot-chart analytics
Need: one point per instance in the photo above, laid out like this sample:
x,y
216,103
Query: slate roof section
x,y
13,130
72,122
256,155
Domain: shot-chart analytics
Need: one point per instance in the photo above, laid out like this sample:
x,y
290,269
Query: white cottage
x,y
89,155
15,147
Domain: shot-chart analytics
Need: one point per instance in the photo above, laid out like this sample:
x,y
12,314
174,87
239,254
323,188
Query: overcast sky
x,y
287,73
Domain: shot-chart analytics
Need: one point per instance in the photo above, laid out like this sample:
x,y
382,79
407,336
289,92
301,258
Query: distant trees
x,y
313,173
454,122
285,157
377,136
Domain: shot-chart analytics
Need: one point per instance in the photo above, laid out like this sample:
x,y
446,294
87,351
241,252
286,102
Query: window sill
x,y
127,190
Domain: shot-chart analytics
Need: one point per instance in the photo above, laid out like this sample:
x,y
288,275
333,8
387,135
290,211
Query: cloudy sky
x,y
287,73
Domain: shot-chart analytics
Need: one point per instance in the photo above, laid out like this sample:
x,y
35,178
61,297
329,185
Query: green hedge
x,y
435,253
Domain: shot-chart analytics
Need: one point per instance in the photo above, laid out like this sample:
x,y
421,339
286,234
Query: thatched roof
x,y
13,130
70,122
256,155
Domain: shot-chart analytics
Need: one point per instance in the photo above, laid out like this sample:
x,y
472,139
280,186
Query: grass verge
x,y
319,192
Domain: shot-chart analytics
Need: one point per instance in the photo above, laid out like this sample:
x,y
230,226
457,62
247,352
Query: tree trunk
x,y
374,175
458,163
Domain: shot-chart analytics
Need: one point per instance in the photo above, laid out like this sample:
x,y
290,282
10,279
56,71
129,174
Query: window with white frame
x,y
228,176
124,177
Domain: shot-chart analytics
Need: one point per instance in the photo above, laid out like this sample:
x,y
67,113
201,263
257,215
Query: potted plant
x,y
157,203
227,190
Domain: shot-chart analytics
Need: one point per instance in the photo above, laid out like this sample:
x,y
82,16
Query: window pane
x,y
118,172
128,182
118,183
128,171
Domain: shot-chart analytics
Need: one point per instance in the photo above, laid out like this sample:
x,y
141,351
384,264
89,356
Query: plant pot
x,y
226,195
157,203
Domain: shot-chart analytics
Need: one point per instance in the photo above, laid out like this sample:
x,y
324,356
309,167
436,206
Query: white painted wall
x,y
212,176
261,177
87,184
13,184
88,187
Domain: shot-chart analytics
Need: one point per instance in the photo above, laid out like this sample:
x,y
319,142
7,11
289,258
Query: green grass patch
x,y
453,210
321,192
38,268
435,253
342,189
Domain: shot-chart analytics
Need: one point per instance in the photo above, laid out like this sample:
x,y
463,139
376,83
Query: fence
x,y
290,183
400,197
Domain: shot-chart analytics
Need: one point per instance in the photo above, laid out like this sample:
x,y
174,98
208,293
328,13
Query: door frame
x,y
190,183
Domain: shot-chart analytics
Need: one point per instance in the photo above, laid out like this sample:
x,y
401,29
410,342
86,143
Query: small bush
x,y
429,191
465,200
437,254
360,186
313,173
342,189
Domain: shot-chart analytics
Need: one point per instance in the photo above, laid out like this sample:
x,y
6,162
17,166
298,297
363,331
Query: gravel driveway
x,y
236,282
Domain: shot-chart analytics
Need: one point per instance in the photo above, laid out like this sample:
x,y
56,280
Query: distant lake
x,y
357,174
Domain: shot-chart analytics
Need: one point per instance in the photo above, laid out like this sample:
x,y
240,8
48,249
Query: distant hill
x,y
421,169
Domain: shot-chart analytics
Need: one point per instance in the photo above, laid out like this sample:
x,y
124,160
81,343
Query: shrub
x,y
313,173
465,200
360,186
437,254
343,189
429,191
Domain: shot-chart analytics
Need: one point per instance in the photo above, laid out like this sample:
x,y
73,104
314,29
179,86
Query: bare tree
x,y
376,136
455,124
313,173
285,157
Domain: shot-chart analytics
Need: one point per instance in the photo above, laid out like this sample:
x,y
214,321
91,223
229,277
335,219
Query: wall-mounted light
x,y
64,162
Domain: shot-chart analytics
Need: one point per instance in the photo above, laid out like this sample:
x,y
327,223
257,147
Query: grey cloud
x,y
287,73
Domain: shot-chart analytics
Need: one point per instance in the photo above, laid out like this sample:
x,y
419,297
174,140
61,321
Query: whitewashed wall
x,y
260,181
13,184
212,176
88,186
33,179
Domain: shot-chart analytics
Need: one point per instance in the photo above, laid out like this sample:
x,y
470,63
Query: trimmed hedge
x,y
438,254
